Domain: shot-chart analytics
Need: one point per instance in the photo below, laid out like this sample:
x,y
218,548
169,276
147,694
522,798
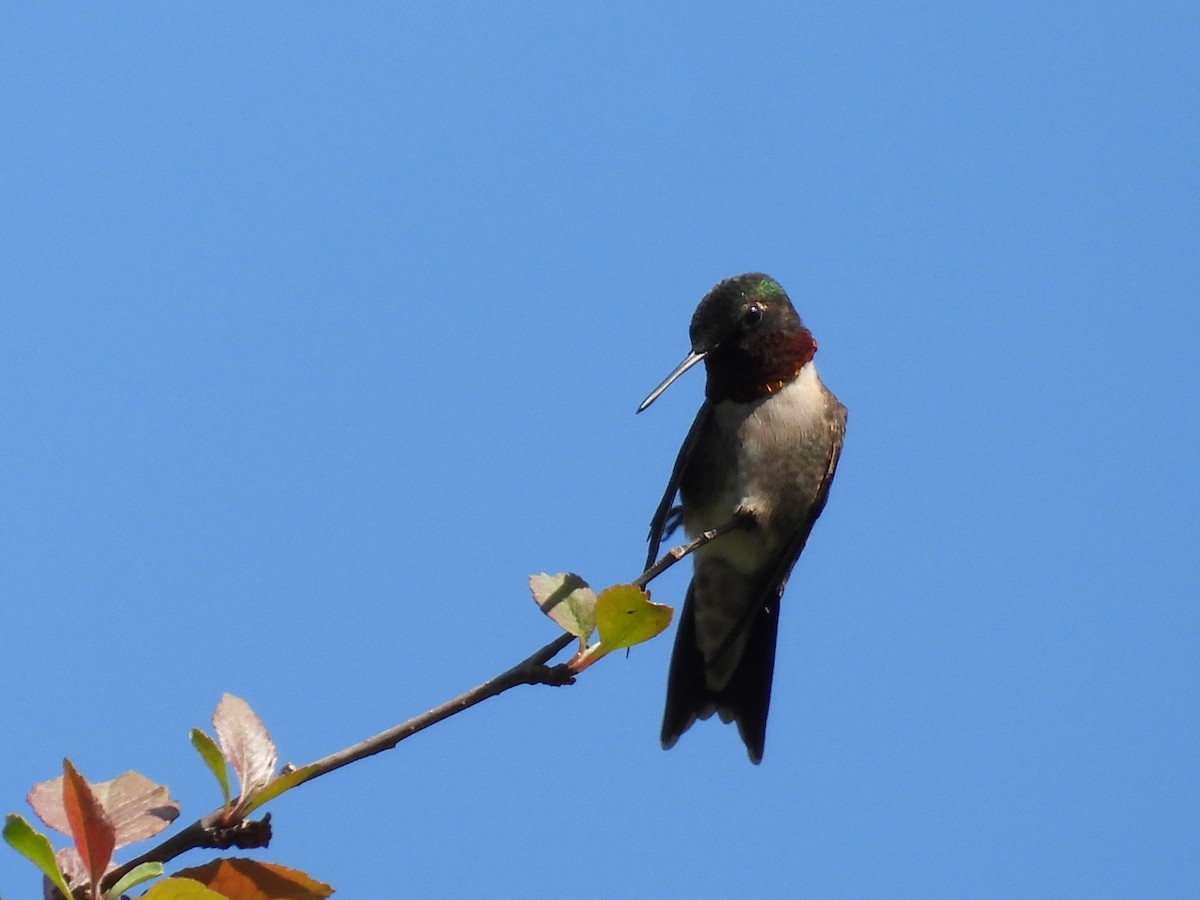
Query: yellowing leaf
x,y
625,616
567,599
181,889
248,879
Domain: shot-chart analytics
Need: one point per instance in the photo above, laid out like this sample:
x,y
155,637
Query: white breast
x,y
772,429
770,434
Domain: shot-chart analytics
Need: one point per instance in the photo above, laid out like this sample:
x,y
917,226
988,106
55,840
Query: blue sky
x,y
323,327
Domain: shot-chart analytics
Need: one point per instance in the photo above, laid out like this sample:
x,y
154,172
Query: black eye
x,y
752,316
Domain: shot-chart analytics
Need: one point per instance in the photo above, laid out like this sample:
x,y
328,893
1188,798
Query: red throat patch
x,y
774,361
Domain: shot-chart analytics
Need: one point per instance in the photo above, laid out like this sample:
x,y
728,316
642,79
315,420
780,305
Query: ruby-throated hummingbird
x,y
760,457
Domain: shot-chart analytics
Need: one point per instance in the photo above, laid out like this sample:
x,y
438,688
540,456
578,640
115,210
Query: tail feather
x,y
746,699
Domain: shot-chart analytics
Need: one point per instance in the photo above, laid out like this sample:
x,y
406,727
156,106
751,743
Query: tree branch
x,y
209,831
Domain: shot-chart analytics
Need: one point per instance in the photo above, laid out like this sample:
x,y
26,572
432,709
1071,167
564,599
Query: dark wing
x,y
658,524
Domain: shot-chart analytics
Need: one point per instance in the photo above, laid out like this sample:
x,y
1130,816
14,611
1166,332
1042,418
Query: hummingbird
x,y
756,465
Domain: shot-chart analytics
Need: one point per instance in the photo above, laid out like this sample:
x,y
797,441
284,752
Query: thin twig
x,y
675,554
532,670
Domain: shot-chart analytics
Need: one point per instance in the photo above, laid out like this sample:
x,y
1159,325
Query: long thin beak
x,y
688,361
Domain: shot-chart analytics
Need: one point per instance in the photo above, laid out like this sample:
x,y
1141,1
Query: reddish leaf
x,y
71,866
137,807
91,829
245,743
247,879
46,798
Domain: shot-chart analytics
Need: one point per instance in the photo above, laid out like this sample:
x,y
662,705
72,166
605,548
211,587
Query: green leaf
x,y
35,847
214,759
625,616
567,599
284,782
134,877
